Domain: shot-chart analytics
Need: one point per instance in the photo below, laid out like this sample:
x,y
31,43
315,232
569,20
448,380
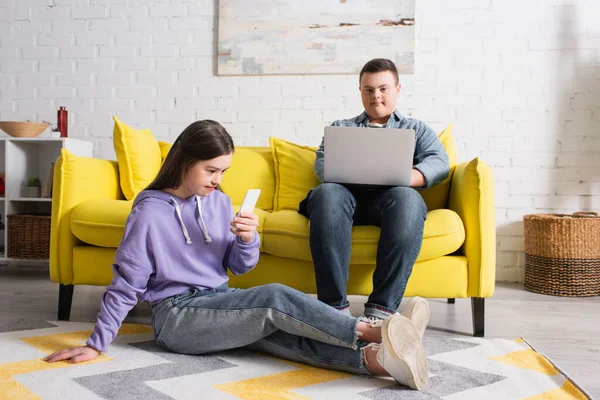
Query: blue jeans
x,y
273,318
333,209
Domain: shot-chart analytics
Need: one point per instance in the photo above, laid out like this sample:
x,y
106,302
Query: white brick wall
x,y
520,80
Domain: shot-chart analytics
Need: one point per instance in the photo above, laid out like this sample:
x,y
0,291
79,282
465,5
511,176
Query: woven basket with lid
x,y
562,254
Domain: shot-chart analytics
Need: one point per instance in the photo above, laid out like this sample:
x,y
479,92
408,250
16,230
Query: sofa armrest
x,y
472,198
76,179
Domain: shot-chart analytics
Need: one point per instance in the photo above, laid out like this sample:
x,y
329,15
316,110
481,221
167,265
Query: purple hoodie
x,y
171,245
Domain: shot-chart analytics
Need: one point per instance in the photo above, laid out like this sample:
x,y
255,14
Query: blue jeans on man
x,y
333,209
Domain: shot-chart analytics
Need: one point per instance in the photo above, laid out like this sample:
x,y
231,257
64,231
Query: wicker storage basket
x,y
562,254
28,236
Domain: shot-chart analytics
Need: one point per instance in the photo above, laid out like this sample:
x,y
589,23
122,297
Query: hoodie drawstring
x,y
202,224
188,240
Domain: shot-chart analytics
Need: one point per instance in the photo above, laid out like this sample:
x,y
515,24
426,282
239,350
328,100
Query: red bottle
x,y
63,121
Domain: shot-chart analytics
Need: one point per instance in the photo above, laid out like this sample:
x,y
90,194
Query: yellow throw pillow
x,y
251,168
294,173
138,156
164,149
447,140
436,197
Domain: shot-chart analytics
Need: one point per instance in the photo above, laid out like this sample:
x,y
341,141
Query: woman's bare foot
x,y
368,333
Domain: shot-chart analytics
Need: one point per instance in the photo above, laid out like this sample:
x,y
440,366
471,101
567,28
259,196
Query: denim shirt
x,y
429,158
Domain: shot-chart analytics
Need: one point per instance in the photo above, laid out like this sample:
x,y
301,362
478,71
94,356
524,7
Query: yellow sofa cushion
x,y
294,173
165,147
101,222
138,156
447,139
286,235
251,168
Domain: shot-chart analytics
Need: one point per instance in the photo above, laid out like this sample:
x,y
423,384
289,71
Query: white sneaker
x,y
401,352
417,310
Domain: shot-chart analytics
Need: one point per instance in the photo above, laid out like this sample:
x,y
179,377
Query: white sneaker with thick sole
x,y
417,310
401,352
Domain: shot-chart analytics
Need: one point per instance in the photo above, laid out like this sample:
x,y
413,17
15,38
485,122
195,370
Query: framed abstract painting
x,y
262,37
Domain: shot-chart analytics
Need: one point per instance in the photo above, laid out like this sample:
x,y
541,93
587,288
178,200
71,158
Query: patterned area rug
x,y
135,368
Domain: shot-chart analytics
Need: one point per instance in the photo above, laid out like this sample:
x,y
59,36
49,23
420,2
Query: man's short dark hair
x,y
379,65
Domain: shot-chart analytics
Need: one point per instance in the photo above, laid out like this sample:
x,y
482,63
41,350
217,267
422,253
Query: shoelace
x,y
374,322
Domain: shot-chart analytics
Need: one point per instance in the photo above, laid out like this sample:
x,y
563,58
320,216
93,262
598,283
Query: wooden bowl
x,y
23,129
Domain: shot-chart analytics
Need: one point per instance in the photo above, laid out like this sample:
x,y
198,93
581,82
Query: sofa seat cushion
x,y
101,222
285,234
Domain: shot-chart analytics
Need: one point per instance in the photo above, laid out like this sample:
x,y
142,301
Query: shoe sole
x,y
400,335
417,310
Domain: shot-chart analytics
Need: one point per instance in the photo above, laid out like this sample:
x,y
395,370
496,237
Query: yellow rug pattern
x,y
135,368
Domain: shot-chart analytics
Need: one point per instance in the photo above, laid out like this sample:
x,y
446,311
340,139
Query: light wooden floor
x,y
565,329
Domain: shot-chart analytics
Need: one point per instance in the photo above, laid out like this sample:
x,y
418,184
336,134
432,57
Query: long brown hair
x,y
201,140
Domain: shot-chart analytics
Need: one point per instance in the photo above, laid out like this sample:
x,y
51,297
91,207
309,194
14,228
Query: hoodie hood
x,y
160,196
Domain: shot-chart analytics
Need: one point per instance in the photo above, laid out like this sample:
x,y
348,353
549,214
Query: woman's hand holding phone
x,y
245,222
244,225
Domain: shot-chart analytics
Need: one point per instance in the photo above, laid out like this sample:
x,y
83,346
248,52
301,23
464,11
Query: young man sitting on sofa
x,y
400,212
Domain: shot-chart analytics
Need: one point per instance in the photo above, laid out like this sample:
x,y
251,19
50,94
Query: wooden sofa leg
x,y
451,301
65,297
478,308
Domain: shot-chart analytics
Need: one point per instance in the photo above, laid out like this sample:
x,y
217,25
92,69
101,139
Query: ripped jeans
x,y
273,318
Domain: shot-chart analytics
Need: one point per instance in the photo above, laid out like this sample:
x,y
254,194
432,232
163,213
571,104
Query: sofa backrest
x,y
254,168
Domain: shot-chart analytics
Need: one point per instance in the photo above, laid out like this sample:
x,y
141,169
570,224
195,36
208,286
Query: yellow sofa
x,y
457,259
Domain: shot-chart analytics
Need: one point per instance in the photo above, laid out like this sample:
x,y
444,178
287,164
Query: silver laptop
x,y
369,156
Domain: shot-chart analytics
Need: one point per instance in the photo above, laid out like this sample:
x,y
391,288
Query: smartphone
x,y
249,202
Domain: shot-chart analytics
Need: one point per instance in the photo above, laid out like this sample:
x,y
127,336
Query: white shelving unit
x,y
21,158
